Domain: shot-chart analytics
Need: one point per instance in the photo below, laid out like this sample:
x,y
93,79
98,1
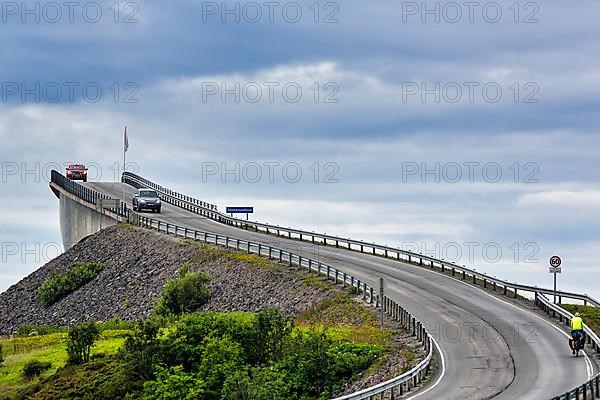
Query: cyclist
x,y
576,330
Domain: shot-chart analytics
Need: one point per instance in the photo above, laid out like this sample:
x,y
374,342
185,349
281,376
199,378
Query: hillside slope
x,y
137,264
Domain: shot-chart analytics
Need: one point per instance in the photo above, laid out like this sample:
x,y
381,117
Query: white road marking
x,y
441,375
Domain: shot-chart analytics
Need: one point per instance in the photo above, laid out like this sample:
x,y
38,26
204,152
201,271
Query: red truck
x,y
77,172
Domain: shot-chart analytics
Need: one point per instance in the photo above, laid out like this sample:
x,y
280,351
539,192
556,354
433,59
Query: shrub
x,y
34,368
173,384
61,285
139,351
184,294
80,341
307,362
273,327
221,358
258,383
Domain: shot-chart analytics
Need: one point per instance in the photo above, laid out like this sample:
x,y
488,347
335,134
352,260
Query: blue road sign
x,y
240,210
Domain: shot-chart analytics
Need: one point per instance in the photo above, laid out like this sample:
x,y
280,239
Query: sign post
x,y
381,300
240,210
555,263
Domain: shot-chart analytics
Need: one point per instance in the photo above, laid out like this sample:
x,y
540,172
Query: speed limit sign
x,y
555,263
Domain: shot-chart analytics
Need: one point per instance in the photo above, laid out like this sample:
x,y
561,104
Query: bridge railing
x,y
590,389
205,209
396,386
86,194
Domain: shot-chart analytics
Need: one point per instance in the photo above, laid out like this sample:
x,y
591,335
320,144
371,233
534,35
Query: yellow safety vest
x,y
576,324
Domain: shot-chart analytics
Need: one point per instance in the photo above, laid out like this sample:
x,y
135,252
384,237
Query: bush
x,y
173,384
80,341
61,285
221,358
266,383
139,352
184,294
34,368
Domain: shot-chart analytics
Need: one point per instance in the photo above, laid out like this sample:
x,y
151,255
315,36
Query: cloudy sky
x,y
464,131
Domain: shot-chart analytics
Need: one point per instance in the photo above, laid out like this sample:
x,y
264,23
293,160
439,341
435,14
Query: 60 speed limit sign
x,y
555,263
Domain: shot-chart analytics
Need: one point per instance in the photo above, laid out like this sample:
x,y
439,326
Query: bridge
x,y
484,338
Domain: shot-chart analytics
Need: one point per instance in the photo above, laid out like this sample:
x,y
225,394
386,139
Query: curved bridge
x,y
489,345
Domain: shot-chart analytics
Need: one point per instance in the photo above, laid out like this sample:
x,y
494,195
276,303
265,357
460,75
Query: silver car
x,y
146,199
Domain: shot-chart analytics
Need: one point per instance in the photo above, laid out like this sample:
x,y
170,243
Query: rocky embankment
x,y
138,263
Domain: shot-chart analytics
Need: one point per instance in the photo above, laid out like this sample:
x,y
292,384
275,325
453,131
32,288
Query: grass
x,y
590,315
51,348
209,253
346,320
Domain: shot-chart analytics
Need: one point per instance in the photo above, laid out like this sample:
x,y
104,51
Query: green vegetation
x,y
60,285
50,348
590,315
34,368
80,342
184,294
208,253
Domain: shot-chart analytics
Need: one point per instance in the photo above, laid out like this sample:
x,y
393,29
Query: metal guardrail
x,y
592,387
201,208
86,194
393,387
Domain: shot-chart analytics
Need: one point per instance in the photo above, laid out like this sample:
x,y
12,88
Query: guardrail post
x,y
280,255
344,281
464,275
249,250
362,249
371,298
474,279
290,259
328,271
453,271
494,286
515,293
484,283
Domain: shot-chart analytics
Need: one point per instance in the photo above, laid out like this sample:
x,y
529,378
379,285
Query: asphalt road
x,y
491,347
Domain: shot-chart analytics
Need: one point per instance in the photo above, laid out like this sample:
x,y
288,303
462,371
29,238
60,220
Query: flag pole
x,y
124,152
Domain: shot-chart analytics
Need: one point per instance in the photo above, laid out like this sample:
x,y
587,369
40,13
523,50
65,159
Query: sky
x,y
463,130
